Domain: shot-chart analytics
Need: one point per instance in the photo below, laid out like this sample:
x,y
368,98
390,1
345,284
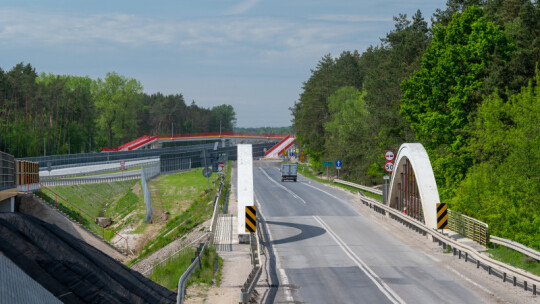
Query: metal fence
x,y
469,227
7,172
148,172
104,157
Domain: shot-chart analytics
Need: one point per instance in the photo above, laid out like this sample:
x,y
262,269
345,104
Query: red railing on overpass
x,y
277,145
220,135
132,145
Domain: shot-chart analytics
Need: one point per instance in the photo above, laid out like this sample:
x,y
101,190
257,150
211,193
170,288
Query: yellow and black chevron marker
x,y
251,218
442,216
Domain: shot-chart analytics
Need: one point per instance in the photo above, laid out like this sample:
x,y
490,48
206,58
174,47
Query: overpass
x,y
158,140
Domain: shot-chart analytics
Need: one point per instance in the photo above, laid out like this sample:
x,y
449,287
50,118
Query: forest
x,y
47,114
467,87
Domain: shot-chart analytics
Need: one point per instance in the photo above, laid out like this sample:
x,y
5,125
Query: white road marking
x,y
287,289
470,281
282,275
381,285
289,191
324,192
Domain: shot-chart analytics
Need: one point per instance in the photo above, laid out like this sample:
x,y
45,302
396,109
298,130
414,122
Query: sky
x,y
251,54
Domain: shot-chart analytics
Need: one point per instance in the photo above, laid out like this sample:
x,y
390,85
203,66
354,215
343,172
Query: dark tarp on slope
x,y
71,269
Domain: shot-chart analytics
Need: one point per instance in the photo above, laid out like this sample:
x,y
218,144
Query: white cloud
x,y
270,38
242,7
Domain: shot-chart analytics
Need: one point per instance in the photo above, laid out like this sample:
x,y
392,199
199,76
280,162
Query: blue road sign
x,y
338,164
291,154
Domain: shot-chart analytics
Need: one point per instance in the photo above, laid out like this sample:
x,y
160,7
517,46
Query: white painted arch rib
x,y
427,187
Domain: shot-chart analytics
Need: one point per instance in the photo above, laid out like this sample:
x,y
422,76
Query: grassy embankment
x,y
168,273
308,172
114,199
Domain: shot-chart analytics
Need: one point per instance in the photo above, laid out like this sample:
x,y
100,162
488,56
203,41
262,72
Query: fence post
x,y
79,217
127,247
56,201
103,232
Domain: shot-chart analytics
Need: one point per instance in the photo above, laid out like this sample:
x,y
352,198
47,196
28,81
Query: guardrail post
x,y
534,289
515,281
478,264
525,285
489,270
466,256
459,252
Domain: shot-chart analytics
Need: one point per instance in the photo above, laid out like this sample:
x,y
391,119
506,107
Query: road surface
x,y
322,251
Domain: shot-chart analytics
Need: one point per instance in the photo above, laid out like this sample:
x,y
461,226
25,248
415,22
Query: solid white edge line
x,y
385,289
282,274
470,281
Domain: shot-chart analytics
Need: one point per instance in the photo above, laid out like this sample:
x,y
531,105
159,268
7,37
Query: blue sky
x,y
252,54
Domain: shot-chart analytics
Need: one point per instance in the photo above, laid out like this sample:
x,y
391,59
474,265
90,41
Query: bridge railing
x,y
507,273
470,227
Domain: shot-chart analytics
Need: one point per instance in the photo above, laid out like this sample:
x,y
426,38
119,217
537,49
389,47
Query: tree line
x,y
47,114
467,87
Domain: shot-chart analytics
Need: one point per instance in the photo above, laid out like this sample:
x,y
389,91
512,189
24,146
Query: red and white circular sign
x,y
389,155
389,167
221,166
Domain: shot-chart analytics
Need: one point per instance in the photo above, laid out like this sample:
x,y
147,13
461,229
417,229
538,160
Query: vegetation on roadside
x,y
205,273
467,87
516,259
198,211
168,273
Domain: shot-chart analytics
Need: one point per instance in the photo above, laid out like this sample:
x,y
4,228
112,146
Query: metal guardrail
x,y
469,227
209,241
365,188
515,246
253,277
90,180
504,271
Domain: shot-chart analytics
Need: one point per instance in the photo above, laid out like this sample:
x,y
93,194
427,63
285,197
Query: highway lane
x,y
324,251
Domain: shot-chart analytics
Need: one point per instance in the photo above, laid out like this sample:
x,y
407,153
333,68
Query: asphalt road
x,y
322,251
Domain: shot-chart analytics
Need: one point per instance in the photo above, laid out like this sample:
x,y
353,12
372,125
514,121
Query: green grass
x,y
92,197
167,274
205,273
516,259
198,210
174,192
219,271
113,199
306,171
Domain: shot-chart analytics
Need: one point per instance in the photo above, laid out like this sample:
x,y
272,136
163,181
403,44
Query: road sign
x,y
221,167
207,172
251,218
442,216
338,164
297,151
284,152
327,164
389,155
389,167
291,154
302,157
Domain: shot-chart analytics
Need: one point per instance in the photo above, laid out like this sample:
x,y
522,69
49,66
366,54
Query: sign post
x,y
327,164
389,155
338,166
